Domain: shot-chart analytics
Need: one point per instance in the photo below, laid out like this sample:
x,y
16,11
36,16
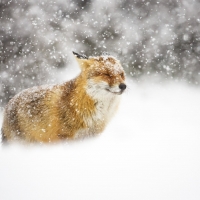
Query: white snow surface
x,y
150,151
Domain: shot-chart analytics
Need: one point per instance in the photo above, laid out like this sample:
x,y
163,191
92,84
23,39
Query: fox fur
x,y
75,109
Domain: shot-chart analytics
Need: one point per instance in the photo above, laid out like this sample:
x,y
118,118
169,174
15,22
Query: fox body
x,y
77,108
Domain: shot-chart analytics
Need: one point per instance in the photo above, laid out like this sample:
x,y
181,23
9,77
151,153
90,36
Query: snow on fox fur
x,y
75,109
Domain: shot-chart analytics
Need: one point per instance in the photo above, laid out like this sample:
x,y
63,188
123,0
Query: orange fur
x,y
69,110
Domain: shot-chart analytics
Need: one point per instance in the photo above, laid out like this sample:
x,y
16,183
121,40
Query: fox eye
x,y
122,75
106,74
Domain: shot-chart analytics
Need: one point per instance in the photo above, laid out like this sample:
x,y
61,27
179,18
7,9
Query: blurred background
x,y
155,38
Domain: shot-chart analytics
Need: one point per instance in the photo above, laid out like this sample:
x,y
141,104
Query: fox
x,y
78,108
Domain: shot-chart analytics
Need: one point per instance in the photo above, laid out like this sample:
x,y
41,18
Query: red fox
x,y
75,109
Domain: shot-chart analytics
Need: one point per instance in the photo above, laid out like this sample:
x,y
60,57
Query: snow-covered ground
x,y
150,151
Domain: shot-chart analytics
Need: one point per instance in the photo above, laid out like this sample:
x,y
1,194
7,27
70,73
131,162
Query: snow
x,y
150,150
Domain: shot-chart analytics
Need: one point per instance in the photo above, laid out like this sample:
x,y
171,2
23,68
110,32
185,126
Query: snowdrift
x,y
150,150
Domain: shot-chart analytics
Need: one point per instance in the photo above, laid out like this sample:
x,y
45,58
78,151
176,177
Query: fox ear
x,y
79,56
82,60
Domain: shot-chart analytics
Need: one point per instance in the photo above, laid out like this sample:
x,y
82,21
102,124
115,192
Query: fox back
x,y
75,109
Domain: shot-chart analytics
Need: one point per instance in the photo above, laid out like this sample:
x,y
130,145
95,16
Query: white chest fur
x,y
105,108
106,104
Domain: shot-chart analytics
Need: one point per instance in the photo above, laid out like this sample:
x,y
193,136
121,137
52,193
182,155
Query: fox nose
x,y
122,86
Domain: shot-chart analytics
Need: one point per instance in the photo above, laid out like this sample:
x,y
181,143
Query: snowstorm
x,y
150,149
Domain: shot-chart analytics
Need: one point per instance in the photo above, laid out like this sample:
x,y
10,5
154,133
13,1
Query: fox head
x,y
104,74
